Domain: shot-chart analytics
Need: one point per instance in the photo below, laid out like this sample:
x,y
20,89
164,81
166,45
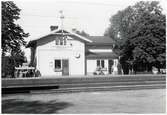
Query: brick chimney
x,y
53,28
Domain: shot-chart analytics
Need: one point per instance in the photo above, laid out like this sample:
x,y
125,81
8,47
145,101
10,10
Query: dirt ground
x,y
132,101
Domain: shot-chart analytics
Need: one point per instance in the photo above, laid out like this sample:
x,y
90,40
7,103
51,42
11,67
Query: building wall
x,y
47,52
91,66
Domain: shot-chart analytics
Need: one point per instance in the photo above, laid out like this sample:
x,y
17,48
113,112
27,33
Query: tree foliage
x,y
140,32
10,62
12,38
12,34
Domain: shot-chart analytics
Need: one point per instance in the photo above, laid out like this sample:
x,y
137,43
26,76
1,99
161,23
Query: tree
x,y
10,62
12,34
139,32
12,38
149,41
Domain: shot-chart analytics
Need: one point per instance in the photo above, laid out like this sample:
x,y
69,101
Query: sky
x,y
92,16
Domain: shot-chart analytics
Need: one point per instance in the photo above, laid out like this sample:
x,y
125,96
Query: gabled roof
x,y
60,32
100,40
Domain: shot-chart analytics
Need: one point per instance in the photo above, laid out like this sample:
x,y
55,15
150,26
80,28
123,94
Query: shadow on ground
x,y
22,106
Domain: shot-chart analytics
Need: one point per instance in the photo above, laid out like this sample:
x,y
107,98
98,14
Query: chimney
x,y
53,28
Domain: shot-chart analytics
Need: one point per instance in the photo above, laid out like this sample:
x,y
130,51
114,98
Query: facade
x,y
65,53
99,54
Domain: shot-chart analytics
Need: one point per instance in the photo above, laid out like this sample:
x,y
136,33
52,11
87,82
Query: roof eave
x,y
69,33
31,44
82,37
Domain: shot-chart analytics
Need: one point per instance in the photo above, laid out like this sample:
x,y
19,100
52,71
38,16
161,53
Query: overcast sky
x,y
92,16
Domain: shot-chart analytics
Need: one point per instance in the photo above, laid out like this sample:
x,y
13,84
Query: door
x,y
110,63
65,67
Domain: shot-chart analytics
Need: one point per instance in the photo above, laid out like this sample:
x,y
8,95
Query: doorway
x,y
65,67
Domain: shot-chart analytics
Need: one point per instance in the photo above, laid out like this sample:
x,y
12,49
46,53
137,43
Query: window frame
x,y
100,63
61,41
58,69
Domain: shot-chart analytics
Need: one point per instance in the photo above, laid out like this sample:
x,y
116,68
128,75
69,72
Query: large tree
x,y
139,32
12,38
12,34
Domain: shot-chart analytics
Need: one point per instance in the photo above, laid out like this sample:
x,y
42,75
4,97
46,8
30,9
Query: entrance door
x,y
65,67
110,63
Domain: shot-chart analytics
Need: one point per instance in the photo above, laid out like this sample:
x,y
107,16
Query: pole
x,y
61,18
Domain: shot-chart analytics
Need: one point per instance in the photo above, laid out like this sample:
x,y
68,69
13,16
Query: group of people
x,y
21,73
99,71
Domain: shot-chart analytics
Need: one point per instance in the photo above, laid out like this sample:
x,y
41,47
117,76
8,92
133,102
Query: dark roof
x,y
100,40
101,55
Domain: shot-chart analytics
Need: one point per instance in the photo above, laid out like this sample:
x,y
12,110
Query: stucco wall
x,y
47,52
91,66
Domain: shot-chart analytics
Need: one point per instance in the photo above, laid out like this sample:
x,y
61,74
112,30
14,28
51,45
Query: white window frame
x,y
100,63
58,41
56,69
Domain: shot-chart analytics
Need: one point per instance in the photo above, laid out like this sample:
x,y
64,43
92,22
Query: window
x,y
58,65
57,41
62,40
100,63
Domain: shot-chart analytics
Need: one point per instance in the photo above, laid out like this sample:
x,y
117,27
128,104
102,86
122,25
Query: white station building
x,y
65,53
